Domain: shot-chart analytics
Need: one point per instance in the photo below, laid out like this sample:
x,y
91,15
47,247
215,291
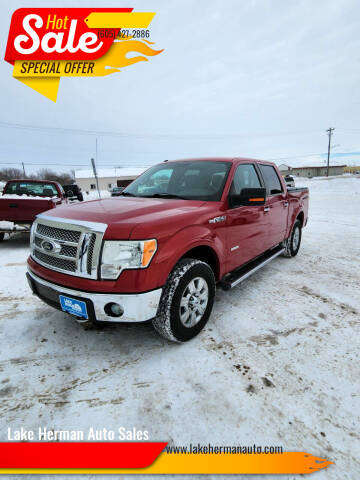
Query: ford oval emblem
x,y
48,246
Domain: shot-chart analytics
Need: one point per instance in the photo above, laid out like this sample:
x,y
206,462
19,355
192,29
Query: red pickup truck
x,y
22,200
158,251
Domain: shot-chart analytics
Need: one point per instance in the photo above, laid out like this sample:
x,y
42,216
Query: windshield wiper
x,y
165,195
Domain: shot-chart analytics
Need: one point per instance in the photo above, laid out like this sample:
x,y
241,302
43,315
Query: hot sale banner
x,y
45,44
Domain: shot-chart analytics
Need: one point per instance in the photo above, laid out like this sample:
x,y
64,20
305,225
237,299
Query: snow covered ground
x,y
93,195
277,364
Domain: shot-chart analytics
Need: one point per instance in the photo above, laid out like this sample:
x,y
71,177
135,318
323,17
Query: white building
x,y
108,177
313,169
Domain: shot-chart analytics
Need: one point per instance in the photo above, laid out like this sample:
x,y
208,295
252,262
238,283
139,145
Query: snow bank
x,y
28,197
94,195
4,225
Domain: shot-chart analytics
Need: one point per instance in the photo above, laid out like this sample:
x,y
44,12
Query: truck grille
x,y
58,233
91,252
67,248
60,263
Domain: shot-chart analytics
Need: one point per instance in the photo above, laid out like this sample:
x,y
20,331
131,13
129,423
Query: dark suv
x,y
73,192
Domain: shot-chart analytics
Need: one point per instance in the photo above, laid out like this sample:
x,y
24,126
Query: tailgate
x,y
23,210
8,210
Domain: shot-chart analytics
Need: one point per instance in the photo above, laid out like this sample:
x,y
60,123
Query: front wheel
x,y
292,244
186,302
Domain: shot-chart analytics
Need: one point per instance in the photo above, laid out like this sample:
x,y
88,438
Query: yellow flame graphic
x,y
116,57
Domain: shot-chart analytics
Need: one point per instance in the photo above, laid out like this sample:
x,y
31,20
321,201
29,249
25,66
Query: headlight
x,y
126,254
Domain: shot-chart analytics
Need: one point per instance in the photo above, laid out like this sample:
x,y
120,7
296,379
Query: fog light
x,y
113,310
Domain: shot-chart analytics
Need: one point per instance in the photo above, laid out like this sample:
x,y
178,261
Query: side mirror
x,y
248,196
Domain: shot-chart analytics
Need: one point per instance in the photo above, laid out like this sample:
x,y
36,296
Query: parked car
x,y
22,200
158,255
73,192
116,191
289,180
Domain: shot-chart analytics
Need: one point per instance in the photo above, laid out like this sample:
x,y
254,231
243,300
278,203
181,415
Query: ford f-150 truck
x,y
158,251
22,200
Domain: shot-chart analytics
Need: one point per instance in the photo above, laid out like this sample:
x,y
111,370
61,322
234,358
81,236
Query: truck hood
x,y
131,217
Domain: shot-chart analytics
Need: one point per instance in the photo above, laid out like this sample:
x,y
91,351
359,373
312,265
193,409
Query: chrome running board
x,y
238,276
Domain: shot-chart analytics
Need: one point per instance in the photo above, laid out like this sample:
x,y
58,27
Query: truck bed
x,y
298,195
22,209
297,189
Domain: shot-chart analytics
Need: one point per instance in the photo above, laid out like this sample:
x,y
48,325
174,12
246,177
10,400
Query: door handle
x,y
13,205
266,209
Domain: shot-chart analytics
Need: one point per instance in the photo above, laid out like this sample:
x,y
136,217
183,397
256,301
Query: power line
x,y
109,133
111,165
347,130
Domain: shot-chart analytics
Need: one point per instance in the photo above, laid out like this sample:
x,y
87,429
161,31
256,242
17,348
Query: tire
x,y
2,235
172,320
292,244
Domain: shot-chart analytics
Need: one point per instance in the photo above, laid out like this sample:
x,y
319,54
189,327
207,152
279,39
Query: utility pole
x,y
95,175
329,131
23,169
94,167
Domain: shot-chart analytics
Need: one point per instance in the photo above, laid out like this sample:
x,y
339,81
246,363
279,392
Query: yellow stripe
x,y
222,463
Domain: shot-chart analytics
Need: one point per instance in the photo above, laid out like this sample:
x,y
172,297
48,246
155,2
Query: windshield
x,y
197,180
31,188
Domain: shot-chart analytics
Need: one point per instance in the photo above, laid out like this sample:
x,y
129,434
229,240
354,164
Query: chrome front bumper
x,y
138,307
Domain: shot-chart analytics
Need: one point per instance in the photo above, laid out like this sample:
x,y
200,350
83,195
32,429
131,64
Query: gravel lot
x,y
276,364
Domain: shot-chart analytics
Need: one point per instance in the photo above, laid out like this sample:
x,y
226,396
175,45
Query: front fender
x,y
175,247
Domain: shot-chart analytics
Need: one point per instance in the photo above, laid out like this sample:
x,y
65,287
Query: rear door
x,y
276,207
246,225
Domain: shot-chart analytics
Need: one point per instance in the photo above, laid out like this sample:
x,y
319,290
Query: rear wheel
x,y
292,244
186,302
2,235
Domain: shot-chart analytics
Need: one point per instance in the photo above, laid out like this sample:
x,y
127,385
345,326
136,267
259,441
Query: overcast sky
x,y
256,78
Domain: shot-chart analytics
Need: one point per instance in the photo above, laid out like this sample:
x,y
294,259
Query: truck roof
x,y
221,159
31,180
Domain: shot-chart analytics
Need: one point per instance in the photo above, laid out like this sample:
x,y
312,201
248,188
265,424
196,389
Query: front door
x,y
246,225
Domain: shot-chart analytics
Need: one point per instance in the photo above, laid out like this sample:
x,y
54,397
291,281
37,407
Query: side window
x,y
245,177
272,181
